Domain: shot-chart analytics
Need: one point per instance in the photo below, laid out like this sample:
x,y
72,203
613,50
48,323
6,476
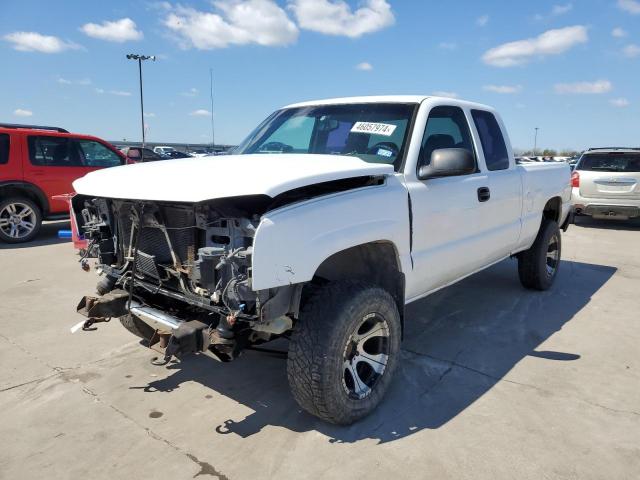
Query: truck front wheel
x,y
538,266
344,350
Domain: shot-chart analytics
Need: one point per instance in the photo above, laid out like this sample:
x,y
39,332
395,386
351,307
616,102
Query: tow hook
x,y
101,310
87,325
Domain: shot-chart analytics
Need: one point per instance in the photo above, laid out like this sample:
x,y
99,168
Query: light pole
x,y
535,142
140,59
213,135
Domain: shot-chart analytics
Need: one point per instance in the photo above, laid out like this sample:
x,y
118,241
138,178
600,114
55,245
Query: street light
x,y
535,142
140,59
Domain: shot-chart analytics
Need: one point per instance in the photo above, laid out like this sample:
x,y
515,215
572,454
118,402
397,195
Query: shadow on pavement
x,y
458,344
633,224
48,235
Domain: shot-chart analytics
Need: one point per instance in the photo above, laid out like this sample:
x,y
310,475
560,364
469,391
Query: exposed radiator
x,y
153,248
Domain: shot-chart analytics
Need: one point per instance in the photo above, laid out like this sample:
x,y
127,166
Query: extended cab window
x,y
4,148
495,150
446,128
97,155
53,152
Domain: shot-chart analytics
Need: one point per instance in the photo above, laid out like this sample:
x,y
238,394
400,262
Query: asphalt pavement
x,y
496,382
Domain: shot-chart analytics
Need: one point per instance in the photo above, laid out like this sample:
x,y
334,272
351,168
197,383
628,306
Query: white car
x,y
321,227
606,183
164,150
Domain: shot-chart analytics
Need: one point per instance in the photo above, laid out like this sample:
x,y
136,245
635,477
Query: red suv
x,y
38,163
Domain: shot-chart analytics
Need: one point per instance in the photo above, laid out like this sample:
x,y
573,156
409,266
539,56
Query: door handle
x,y
484,194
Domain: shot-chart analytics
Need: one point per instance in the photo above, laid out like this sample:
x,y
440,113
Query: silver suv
x,y
606,183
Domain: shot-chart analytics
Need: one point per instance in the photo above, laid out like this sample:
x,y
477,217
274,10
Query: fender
x,y
32,189
291,242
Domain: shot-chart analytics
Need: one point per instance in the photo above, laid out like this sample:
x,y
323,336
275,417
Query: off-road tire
x,y
315,362
37,224
137,327
532,263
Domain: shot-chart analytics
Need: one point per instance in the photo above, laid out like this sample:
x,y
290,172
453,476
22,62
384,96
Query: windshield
x,y
616,162
374,132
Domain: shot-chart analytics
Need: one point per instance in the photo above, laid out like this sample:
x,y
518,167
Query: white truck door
x,y
503,210
448,219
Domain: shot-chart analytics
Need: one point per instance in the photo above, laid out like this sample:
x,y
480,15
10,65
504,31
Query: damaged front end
x,y
184,270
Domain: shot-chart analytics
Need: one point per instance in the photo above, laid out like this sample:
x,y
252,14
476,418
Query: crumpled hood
x,y
207,178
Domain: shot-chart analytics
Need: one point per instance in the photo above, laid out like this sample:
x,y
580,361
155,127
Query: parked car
x,y
324,224
36,164
164,151
198,152
606,183
138,154
177,154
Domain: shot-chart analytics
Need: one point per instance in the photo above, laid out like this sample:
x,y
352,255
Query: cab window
x,y
447,127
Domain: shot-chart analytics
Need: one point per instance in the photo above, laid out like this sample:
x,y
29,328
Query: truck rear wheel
x,y
137,327
538,266
20,220
344,350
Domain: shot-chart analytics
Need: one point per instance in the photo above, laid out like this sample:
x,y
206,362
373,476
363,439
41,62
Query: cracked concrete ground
x,y
496,382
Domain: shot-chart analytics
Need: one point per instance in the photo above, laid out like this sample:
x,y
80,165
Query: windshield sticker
x,y
384,152
384,129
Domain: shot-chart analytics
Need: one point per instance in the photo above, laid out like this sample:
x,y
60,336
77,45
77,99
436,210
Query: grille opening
x,y
221,239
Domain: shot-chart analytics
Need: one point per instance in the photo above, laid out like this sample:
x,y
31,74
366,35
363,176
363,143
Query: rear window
x,y
615,162
4,148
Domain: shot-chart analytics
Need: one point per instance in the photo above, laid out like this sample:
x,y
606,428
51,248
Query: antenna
x,y
213,135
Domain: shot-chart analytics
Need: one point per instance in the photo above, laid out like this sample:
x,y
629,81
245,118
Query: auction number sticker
x,y
384,129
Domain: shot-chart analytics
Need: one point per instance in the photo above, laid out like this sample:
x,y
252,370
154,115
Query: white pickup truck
x,y
325,222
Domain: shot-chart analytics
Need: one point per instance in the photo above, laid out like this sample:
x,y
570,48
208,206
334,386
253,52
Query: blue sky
x,y
571,68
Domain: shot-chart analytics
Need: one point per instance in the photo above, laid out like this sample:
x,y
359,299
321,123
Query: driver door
x,y
447,212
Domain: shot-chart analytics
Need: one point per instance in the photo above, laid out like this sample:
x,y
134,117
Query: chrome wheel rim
x,y
17,220
553,255
365,356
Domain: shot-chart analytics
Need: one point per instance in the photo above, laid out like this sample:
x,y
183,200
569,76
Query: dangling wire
x,y
135,257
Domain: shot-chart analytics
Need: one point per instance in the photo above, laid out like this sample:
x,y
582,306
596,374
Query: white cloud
x,y
65,81
551,42
150,114
260,22
597,87
618,32
556,11
20,112
447,45
561,9
336,17
631,51
200,113
504,89
192,92
440,93
482,20
118,93
364,66
619,102
119,31
35,42
631,6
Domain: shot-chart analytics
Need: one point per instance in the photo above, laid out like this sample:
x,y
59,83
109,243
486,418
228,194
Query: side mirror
x,y
448,162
